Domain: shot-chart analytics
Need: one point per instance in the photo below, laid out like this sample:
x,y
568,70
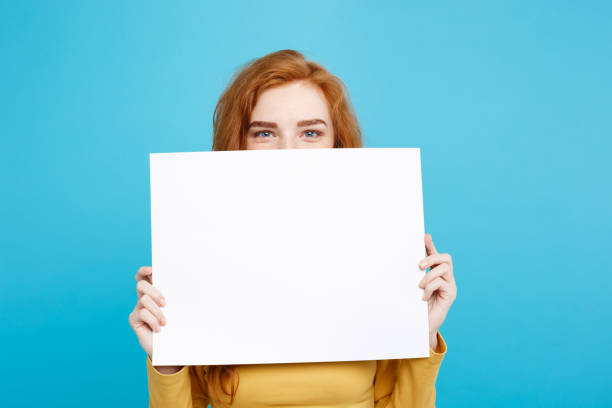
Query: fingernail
x,y
422,264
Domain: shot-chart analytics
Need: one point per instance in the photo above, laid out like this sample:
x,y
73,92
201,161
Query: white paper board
x,y
278,256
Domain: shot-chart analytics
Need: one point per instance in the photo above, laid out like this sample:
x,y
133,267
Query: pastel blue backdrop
x,y
511,103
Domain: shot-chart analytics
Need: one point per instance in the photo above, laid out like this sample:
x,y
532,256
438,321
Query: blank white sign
x,y
280,256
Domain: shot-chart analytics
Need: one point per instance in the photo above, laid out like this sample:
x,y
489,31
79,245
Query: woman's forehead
x,y
292,102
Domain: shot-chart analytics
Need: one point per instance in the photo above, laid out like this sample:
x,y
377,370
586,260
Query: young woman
x,y
282,101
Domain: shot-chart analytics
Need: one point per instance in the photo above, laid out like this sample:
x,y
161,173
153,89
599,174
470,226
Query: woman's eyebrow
x,y
258,123
311,122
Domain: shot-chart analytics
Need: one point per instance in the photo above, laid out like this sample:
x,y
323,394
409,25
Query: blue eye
x,y
263,133
312,133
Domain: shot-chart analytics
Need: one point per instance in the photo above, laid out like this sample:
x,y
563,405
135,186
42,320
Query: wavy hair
x,y
230,124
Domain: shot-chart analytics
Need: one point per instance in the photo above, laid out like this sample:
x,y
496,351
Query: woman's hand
x,y
440,288
147,315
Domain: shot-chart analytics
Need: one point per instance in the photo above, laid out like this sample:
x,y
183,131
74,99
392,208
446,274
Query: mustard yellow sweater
x,y
404,383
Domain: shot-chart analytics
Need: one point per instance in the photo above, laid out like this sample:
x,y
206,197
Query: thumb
x,y
429,245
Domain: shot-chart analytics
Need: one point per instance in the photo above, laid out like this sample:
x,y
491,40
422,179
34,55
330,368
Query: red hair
x,y
230,121
233,111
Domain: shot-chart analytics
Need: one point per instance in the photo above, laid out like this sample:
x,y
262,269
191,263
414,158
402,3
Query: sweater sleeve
x,y
410,382
183,389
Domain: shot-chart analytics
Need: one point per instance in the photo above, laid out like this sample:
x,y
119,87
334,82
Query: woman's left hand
x,y
440,288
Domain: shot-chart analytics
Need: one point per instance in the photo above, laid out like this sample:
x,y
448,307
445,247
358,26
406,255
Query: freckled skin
x,y
286,106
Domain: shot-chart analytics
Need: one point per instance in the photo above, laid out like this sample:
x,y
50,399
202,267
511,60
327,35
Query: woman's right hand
x,y
147,315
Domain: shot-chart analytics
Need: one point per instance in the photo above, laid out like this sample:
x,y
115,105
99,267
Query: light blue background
x,y
511,104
